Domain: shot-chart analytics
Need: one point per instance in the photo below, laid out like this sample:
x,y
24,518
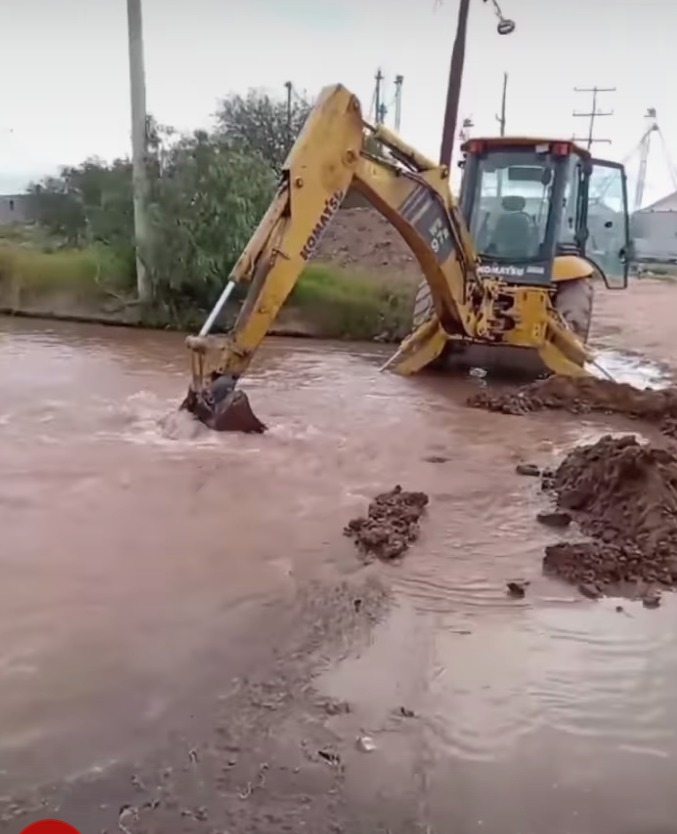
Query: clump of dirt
x,y
362,238
584,395
624,496
391,524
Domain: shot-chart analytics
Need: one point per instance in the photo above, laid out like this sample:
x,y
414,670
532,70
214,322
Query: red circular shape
x,y
50,827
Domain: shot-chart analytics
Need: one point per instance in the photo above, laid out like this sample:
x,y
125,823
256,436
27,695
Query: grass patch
x,y
353,305
81,273
339,303
27,234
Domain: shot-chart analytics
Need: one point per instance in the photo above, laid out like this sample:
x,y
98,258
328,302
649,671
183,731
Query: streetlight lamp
x,y
504,27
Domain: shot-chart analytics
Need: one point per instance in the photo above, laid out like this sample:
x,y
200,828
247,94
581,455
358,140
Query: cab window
x,y
511,204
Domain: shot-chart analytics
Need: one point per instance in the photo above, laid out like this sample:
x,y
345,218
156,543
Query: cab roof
x,y
511,141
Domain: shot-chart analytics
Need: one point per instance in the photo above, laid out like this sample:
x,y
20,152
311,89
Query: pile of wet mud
x,y
391,524
623,494
584,395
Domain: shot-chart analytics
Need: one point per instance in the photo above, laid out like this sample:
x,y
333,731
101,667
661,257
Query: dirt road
x,y
186,635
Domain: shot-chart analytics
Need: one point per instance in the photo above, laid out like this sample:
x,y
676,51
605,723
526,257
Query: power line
x,y
593,114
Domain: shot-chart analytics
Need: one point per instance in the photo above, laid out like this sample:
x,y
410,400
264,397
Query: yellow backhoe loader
x,y
507,267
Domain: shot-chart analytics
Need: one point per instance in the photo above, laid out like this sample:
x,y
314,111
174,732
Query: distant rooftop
x,y
668,203
15,208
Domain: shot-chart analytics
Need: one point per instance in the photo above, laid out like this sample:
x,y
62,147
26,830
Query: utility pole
x,y
501,119
137,84
288,86
504,27
593,114
454,85
398,101
378,107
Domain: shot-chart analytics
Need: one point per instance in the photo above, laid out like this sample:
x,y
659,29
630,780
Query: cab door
x,y
608,225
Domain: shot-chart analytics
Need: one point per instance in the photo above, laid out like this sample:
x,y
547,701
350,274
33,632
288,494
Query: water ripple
x,y
143,504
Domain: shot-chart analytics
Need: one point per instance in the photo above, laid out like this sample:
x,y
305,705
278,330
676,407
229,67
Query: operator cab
x,y
527,201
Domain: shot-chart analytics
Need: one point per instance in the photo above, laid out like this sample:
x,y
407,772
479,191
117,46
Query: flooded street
x,y
141,553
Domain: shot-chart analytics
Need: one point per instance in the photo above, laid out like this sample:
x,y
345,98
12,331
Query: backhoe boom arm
x,y
327,159
412,192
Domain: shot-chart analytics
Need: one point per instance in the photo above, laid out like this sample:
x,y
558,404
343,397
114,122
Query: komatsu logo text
x,y
332,205
510,270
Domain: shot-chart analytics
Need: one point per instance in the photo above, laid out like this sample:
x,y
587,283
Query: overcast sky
x,y
66,96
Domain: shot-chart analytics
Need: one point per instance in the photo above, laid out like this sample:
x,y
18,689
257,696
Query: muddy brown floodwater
x,y
168,596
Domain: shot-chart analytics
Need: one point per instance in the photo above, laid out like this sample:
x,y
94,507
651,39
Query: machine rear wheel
x,y
574,302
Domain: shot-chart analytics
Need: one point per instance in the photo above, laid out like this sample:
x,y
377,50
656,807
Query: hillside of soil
x,y
361,239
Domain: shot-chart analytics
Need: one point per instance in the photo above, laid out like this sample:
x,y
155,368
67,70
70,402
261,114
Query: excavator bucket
x,y
419,349
221,407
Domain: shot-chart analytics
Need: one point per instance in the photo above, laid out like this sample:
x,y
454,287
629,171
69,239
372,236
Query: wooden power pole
x,y
454,84
504,27
501,119
137,85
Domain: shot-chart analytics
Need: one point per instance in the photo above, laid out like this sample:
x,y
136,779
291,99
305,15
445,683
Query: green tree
x,y
87,203
206,202
261,124
58,210
208,191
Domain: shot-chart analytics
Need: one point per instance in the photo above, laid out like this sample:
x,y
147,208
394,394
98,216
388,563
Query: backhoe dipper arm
x,y
410,191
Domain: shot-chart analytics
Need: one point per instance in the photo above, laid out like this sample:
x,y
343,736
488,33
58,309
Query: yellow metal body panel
x,y
571,268
420,349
